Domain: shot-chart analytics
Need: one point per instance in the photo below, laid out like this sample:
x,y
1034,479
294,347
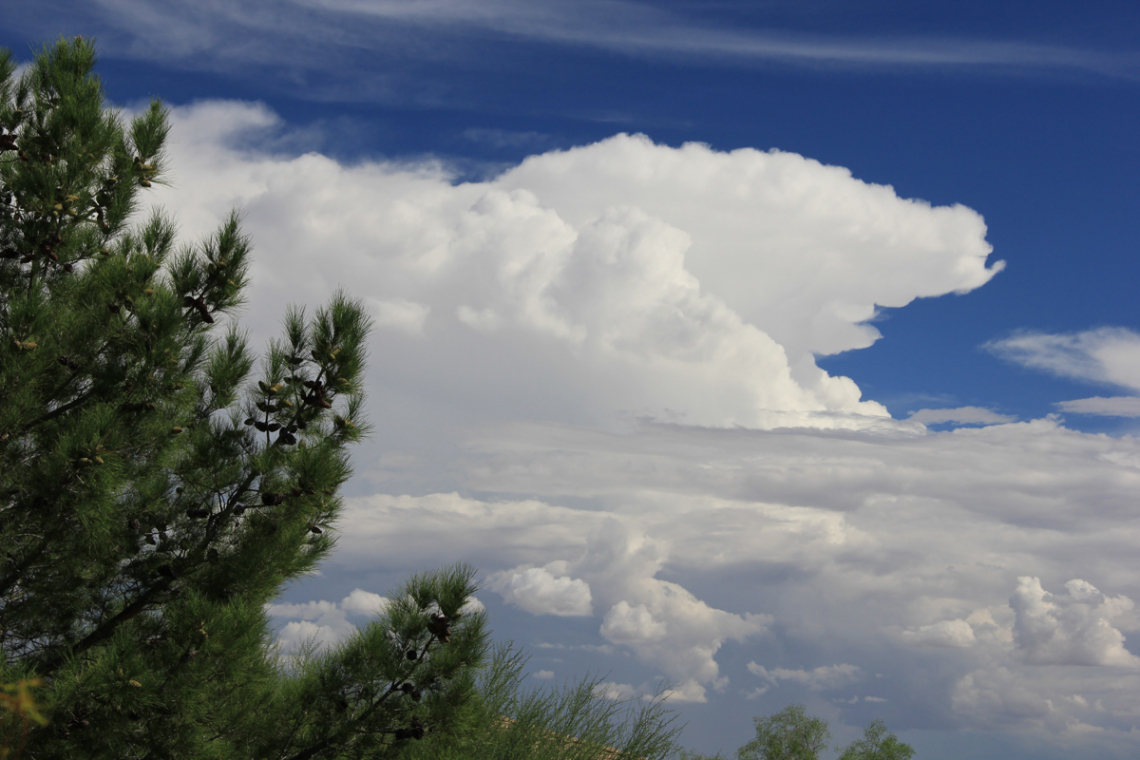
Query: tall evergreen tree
x,y
506,721
156,490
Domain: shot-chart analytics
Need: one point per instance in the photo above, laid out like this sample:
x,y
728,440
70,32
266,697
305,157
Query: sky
x,y
775,352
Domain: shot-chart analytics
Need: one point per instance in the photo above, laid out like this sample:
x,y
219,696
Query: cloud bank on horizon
x,y
614,346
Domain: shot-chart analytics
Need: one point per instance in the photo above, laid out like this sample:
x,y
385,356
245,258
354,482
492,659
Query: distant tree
x,y
793,735
877,744
788,735
156,492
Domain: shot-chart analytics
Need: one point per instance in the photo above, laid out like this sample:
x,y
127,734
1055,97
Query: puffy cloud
x,y
539,592
576,341
472,605
1113,406
616,691
679,283
1070,629
298,634
361,602
824,677
543,675
662,622
963,415
688,690
624,624
758,222
1109,355
324,622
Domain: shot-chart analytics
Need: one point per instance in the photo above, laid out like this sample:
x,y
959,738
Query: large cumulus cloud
x,y
594,378
678,283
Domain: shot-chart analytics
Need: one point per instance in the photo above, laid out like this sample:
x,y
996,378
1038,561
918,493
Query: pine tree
x,y
156,490
506,721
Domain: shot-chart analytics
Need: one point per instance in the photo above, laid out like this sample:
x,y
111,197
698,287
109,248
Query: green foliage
x,y
574,722
18,710
788,735
156,491
877,744
793,735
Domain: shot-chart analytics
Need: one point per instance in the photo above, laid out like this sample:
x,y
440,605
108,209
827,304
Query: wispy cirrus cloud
x,y
962,415
1112,406
298,43
1106,355
639,28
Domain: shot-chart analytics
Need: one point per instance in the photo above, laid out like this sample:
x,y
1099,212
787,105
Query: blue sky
x,y
596,372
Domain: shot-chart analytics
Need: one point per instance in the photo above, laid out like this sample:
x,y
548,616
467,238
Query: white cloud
x,y
627,282
1113,406
963,415
616,691
686,691
766,220
824,677
1071,629
677,283
996,696
689,690
361,602
539,592
924,534
472,605
399,314
305,611
543,675
663,623
1001,698
324,622
299,633
1108,355
944,633
624,624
